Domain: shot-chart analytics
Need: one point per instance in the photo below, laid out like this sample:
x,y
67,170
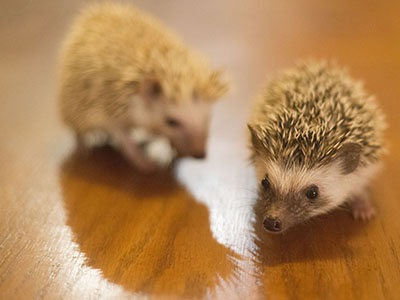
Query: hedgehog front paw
x,y
362,209
95,138
146,166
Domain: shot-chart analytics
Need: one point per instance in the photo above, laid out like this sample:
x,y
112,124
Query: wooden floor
x,y
92,228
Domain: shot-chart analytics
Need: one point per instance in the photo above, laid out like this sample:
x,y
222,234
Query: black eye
x,y
156,89
312,192
172,122
265,183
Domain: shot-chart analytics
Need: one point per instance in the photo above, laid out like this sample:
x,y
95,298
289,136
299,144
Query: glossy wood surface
x,y
74,227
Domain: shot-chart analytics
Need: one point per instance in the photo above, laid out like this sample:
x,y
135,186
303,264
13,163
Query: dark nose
x,y
199,155
273,224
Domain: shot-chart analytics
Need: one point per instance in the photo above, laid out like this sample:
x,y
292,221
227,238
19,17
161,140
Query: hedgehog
x,y
121,69
316,142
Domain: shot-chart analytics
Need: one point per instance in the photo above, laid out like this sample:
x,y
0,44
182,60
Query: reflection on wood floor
x,y
146,233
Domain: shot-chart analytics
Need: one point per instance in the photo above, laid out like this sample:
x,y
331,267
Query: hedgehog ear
x,y
349,157
150,89
216,85
255,140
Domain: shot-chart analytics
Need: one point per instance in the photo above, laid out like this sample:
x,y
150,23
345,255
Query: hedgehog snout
x,y
198,144
200,155
273,224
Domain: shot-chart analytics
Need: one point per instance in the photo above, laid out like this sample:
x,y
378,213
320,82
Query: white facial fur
x,y
333,185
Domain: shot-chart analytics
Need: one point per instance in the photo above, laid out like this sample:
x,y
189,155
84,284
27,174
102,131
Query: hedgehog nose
x,y
273,224
199,155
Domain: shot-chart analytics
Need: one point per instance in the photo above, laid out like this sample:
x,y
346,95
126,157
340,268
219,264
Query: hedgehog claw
x,y
362,209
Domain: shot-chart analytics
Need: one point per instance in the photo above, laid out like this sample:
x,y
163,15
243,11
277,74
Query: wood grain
x,y
75,227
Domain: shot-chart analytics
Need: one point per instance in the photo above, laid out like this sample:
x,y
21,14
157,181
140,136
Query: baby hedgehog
x,y
121,69
316,143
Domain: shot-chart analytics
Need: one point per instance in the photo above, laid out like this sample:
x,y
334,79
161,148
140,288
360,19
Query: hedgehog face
x,y
292,193
291,196
184,122
186,126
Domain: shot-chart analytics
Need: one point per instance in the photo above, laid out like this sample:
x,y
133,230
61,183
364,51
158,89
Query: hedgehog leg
x,y
96,138
362,208
81,146
132,152
86,141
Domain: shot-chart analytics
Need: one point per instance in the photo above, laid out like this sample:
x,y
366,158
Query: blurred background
x,y
77,228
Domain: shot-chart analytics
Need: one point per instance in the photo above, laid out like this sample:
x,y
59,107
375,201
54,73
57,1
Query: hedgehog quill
x,y
316,140
121,69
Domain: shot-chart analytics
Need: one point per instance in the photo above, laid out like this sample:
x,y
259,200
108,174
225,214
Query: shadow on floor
x,y
325,237
144,232
306,259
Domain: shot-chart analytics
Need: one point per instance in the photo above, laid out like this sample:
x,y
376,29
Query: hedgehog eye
x,y
195,97
156,89
312,192
171,122
265,183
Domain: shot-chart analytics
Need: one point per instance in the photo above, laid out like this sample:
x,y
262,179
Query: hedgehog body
x,y
121,68
313,127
